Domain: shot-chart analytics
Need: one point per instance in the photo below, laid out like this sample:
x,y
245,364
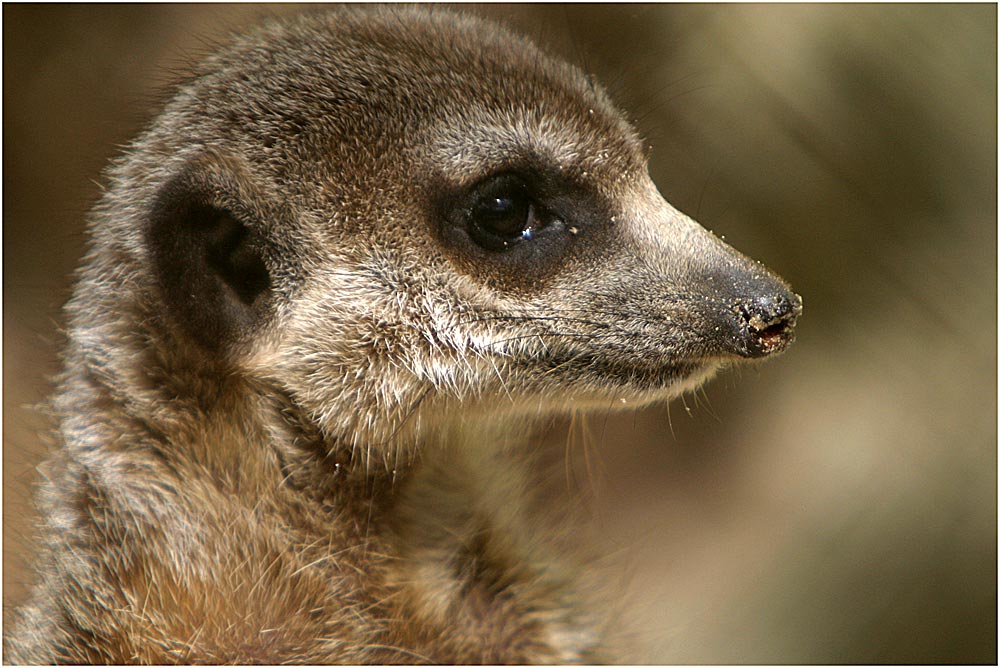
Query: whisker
x,y
562,335
507,317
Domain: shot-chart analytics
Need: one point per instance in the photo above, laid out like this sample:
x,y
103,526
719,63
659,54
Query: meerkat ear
x,y
209,260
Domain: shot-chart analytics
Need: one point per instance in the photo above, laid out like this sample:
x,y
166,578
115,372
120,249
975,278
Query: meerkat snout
x,y
325,294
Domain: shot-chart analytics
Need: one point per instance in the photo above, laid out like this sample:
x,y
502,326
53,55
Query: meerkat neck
x,y
201,422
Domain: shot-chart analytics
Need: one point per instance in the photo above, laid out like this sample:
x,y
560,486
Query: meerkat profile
x,y
330,286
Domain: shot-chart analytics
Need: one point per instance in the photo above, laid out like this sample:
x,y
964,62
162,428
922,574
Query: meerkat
x,y
327,292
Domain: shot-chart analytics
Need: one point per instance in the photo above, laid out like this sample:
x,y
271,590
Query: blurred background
x,y
836,505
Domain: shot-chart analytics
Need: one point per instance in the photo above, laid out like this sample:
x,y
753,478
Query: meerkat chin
x,y
344,232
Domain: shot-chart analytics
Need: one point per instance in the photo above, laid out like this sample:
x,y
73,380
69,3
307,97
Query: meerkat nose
x,y
767,323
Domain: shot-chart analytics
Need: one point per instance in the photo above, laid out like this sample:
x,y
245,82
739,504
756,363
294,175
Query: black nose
x,y
767,323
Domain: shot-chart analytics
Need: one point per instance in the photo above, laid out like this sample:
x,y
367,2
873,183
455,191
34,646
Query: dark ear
x,y
209,262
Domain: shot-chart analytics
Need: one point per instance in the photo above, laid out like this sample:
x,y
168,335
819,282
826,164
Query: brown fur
x,y
296,395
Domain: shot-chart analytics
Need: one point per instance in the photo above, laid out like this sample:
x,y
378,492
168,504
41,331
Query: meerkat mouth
x,y
630,374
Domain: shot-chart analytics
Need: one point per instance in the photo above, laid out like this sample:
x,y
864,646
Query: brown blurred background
x,y
836,505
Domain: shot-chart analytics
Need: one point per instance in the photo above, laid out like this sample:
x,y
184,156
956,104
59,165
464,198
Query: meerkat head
x,y
373,210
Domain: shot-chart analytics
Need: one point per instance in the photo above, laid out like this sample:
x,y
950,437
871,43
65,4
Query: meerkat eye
x,y
502,215
498,222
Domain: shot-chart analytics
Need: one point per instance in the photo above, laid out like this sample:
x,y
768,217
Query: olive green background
x,y
838,504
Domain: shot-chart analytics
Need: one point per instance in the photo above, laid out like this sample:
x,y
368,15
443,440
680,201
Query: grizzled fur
x,y
294,383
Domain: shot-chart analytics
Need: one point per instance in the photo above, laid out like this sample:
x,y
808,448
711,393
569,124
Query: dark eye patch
x,y
518,225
